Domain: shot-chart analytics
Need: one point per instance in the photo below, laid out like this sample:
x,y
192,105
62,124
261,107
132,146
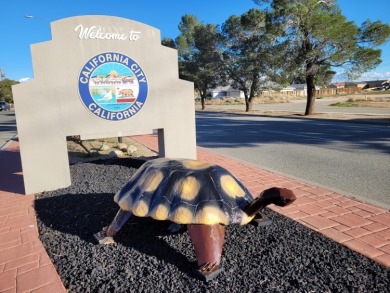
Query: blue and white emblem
x,y
113,86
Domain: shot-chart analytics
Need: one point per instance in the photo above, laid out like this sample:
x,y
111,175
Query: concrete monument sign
x,y
100,76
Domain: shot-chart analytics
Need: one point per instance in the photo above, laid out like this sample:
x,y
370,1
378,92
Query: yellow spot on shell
x,y
182,216
211,215
188,188
152,181
160,213
140,209
231,187
246,219
125,203
116,197
195,165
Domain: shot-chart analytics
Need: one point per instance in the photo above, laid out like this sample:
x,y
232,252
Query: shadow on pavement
x,y
10,172
245,132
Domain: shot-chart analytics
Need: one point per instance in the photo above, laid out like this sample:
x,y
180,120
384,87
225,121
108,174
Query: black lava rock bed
x,y
283,257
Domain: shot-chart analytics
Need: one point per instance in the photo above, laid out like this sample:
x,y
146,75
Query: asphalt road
x,y
345,157
7,126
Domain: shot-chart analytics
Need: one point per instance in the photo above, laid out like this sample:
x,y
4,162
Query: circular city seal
x,y
113,86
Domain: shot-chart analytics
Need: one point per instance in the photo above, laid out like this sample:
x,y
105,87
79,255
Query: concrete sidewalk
x,y
26,267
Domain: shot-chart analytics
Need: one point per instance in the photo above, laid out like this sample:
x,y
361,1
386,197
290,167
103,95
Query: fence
x,y
320,92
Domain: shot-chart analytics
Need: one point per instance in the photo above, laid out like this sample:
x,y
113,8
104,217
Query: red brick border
x,y
24,263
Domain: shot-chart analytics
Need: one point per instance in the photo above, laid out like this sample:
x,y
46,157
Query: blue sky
x,y
18,33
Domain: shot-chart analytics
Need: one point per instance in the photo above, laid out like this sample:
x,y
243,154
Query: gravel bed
x,y
283,257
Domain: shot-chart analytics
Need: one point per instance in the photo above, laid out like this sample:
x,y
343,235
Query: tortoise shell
x,y
185,192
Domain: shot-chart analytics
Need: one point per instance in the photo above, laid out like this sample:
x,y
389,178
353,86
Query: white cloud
x,y
24,79
372,75
375,75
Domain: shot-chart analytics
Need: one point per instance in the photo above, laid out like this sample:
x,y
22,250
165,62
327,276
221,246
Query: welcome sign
x,y
116,80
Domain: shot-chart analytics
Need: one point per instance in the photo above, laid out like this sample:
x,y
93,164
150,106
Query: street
x,y
346,157
7,126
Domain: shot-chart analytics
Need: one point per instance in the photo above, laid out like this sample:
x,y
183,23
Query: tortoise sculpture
x,y
202,196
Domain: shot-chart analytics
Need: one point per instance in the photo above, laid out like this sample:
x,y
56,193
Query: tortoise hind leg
x,y
174,228
208,242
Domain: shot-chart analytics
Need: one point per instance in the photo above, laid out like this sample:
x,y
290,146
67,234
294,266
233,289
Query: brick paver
x,y
26,267
352,220
363,248
386,249
357,232
384,233
336,235
319,223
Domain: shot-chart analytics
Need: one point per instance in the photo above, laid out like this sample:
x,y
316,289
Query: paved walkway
x,y
26,267
24,263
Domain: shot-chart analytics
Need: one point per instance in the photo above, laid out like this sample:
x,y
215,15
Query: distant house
x,y
342,85
386,84
377,84
288,89
225,92
337,85
297,87
360,84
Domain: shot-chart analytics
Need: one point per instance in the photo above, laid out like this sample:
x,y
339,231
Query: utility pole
x,y
2,74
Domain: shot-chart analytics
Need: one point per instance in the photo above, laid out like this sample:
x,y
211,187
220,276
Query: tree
x,y
318,37
6,90
168,42
249,54
200,55
323,78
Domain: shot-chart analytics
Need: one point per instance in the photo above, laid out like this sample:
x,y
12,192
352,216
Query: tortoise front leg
x,y
106,235
208,242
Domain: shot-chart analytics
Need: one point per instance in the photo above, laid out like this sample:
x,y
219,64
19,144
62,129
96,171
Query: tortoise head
x,y
278,196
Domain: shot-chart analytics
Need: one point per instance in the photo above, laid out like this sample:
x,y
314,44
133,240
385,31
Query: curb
x,y
8,143
354,120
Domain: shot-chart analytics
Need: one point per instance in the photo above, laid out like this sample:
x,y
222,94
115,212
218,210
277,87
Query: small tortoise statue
x,y
203,196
